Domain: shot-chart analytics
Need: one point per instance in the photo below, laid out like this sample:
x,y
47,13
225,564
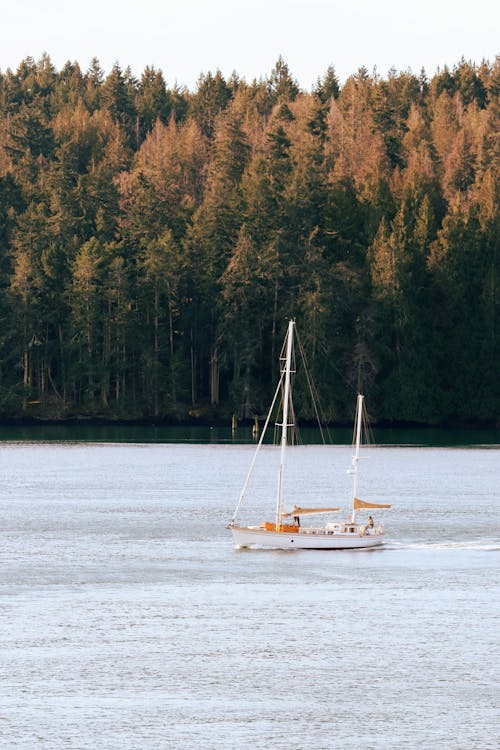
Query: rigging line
x,y
314,394
295,436
247,480
353,442
320,416
369,436
279,410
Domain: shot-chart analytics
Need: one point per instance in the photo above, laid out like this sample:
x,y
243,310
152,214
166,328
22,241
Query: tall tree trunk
x,y
171,342
273,334
124,369
42,385
156,368
193,369
106,357
26,377
26,368
63,365
90,375
214,377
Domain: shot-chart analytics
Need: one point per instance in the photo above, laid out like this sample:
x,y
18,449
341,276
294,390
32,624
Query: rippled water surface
x,y
128,621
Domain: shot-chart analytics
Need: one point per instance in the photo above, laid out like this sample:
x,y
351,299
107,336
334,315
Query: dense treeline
x,y
153,241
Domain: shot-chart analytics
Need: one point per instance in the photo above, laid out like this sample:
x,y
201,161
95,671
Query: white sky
x,y
188,37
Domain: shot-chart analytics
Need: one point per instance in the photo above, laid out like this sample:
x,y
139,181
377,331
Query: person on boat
x,y
370,522
296,519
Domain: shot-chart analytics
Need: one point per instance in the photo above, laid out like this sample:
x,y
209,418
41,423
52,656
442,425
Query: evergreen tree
x,y
153,241
465,271
328,87
152,101
210,99
162,268
282,86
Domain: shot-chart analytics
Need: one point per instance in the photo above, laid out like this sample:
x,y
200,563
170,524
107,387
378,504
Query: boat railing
x,y
340,528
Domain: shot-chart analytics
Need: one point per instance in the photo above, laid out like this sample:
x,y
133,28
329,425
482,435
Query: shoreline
x,y
220,422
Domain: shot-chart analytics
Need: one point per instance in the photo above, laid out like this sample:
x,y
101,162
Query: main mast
x,y
284,426
355,458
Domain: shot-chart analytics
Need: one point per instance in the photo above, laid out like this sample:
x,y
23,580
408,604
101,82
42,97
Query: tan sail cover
x,y
362,504
298,511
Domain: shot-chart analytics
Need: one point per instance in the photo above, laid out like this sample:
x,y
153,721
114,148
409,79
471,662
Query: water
x,y
216,434
129,622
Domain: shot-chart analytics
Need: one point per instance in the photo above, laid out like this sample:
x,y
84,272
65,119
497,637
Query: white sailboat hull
x,y
255,536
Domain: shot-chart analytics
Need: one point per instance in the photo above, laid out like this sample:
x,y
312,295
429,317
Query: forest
x,y
154,241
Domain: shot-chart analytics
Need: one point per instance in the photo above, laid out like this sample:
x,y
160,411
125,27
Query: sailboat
x,y
286,530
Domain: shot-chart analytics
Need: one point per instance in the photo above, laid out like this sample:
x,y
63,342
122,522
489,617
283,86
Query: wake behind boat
x,y
287,530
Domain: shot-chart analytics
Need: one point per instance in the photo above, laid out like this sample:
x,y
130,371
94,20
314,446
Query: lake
x,y
129,622
217,434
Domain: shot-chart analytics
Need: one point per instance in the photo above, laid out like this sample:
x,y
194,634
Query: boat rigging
x,y
286,531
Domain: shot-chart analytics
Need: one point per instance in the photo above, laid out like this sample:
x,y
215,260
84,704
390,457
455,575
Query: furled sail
x,y
298,511
362,504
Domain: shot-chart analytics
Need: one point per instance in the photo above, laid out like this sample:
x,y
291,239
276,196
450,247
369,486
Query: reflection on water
x,y
150,433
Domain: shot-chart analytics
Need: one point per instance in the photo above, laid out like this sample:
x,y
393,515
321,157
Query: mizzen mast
x,y
355,458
